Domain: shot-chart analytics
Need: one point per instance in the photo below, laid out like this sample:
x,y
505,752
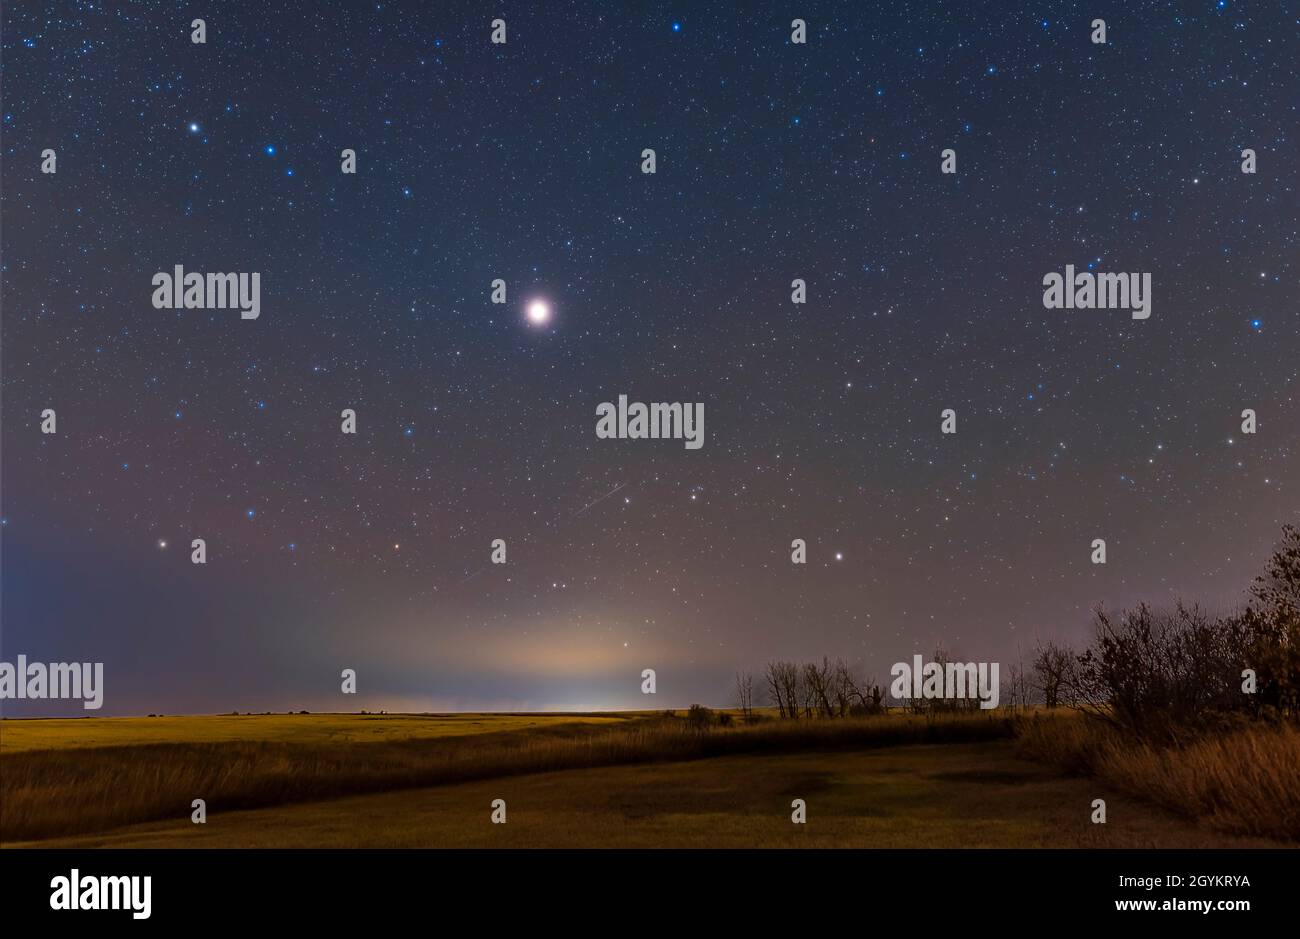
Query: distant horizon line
x,y
379,713
384,713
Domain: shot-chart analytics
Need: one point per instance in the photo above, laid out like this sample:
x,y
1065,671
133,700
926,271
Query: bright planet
x,y
539,313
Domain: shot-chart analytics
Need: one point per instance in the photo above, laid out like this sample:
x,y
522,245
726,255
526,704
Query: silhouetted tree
x,y
1053,672
745,694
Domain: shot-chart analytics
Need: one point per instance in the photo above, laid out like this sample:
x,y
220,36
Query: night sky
x,y
522,161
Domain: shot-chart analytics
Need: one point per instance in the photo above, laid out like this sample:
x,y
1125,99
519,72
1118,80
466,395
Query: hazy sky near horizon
x,y
522,161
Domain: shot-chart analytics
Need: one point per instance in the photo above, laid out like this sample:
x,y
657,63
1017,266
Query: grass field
x,y
635,779
67,790
935,795
304,729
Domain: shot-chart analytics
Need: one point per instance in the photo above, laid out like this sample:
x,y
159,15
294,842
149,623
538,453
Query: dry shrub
x,y
1242,781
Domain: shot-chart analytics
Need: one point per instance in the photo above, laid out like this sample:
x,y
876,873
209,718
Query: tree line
x,y
1160,672
831,688
1151,671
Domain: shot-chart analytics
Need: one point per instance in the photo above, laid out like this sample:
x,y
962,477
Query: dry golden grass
x,y
82,732
950,795
1243,781
46,793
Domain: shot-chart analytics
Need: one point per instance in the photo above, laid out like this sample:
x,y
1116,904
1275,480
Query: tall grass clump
x,y
1243,781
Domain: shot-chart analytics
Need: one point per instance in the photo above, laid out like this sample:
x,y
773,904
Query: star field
x,y
475,421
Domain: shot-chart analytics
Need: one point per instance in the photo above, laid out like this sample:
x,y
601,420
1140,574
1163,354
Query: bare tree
x,y
828,689
1018,692
786,686
845,688
775,678
745,694
795,689
855,695
817,688
1053,673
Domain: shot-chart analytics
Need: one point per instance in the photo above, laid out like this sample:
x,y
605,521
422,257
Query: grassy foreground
x,y
71,789
638,779
952,795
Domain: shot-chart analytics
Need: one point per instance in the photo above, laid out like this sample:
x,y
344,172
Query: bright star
x,y
539,313
194,128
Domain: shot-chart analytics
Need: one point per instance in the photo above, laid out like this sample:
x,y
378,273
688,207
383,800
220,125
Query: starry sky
x,y
522,162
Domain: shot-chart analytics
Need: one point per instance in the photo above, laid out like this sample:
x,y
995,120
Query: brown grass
x,y
950,795
1244,781
46,793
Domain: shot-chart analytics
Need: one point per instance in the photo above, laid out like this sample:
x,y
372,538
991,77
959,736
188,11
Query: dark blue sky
x,y
522,162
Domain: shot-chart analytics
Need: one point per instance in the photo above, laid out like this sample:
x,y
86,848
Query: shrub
x,y
1159,672
699,717
1245,780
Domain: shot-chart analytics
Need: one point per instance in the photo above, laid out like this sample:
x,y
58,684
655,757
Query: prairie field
x,y
954,795
305,729
569,780
66,788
